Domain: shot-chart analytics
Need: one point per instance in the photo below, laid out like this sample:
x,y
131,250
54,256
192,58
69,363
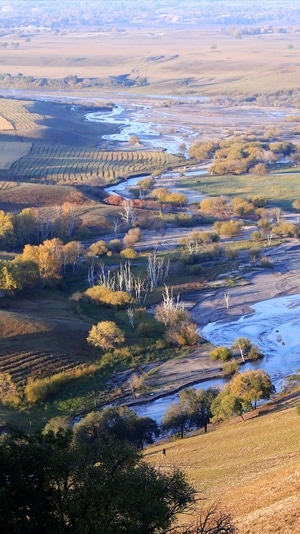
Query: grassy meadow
x,y
251,468
280,187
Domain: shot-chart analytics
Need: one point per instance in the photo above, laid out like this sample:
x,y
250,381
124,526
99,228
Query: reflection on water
x,y
274,327
135,122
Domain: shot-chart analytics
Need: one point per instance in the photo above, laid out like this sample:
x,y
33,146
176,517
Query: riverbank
x,y
208,306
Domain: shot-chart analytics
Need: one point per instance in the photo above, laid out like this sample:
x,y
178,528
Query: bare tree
x,y
130,315
212,520
139,287
106,278
91,274
124,278
129,215
157,270
171,310
116,225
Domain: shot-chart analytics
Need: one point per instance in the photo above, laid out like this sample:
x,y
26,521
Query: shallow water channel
x,y
274,324
273,327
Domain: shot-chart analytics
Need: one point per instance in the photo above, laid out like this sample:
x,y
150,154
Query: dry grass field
x,y
198,61
250,468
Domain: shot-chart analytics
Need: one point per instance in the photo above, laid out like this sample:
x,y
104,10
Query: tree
x,y
71,255
99,248
213,205
132,237
228,228
244,345
26,226
120,423
48,256
172,310
226,405
105,335
54,483
128,214
252,386
7,237
191,411
175,419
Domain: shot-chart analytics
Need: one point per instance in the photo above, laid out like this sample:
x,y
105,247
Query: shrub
x,y
230,368
254,353
220,353
129,253
145,329
115,245
266,262
195,270
104,295
183,333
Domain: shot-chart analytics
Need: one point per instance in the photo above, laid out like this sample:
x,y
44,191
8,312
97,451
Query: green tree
x,y
118,422
52,483
226,405
252,386
193,410
105,335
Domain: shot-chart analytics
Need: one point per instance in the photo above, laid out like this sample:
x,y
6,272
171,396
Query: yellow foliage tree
x,y
105,335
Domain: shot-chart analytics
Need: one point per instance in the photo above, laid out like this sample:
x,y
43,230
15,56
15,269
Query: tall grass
x,y
45,389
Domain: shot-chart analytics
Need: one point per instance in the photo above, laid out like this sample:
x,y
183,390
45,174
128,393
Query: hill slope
x,y
251,468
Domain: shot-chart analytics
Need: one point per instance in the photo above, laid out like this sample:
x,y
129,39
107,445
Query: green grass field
x,y
280,187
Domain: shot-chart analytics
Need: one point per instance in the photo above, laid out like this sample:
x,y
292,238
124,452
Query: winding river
x,y
274,325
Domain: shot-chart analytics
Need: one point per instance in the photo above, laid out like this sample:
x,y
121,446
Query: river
x,y
274,327
269,326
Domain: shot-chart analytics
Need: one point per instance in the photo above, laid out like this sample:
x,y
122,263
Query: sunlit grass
x,y
244,465
280,188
